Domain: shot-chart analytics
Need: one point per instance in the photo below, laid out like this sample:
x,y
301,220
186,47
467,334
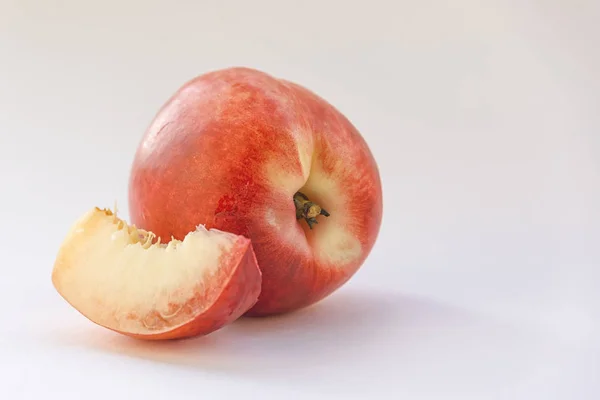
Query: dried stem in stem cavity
x,y
308,210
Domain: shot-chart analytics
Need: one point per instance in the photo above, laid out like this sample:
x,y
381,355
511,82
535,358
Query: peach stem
x,y
308,210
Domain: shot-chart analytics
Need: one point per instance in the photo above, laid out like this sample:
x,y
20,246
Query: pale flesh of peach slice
x,y
121,278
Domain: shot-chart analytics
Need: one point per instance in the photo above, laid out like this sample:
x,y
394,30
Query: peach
x,y
245,152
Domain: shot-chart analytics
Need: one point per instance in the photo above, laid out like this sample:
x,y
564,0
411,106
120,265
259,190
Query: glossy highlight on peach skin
x,y
230,150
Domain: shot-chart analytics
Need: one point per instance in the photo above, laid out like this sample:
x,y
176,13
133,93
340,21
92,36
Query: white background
x,y
484,119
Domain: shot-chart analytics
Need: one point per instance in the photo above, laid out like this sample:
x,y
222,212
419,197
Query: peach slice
x,y
123,279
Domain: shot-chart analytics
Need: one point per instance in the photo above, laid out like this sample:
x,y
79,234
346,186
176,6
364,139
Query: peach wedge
x,y
124,279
